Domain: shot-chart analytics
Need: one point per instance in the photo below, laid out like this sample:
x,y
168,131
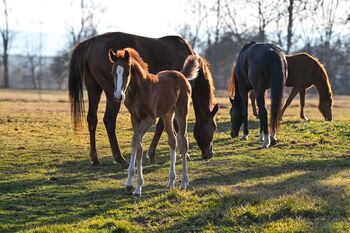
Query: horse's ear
x,y
112,56
215,110
126,54
231,100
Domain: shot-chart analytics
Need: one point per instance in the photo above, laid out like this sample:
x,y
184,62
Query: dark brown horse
x,y
305,71
259,67
90,64
147,97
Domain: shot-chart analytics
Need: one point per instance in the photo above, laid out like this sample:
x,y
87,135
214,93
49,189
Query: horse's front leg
x,y
109,119
244,96
138,150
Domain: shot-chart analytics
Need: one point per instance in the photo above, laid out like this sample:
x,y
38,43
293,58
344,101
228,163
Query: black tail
x,y
75,86
278,74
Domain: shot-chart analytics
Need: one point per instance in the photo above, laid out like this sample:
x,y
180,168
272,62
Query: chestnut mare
x,y
90,63
259,66
305,71
148,96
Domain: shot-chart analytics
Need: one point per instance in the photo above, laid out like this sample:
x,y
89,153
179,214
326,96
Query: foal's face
x,y
236,117
204,132
120,73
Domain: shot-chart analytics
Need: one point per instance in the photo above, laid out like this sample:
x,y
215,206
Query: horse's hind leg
x,y
253,100
302,104
181,118
168,125
109,119
94,93
291,96
152,148
263,120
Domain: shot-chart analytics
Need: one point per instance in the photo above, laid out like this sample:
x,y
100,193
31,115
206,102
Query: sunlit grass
x,y
47,184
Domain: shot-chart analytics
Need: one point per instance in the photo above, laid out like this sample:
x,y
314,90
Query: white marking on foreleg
x,y
172,172
139,179
266,142
261,137
131,169
184,175
244,137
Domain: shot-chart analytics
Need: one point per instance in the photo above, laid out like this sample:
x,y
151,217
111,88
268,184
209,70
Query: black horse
x,y
259,67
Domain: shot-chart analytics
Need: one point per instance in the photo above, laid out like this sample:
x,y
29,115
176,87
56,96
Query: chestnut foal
x,y
148,96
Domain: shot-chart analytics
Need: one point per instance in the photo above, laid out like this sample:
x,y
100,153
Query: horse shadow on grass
x,y
308,178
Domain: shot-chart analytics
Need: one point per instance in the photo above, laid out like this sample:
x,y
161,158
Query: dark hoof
x,y
137,195
95,162
152,161
122,162
129,190
206,157
273,141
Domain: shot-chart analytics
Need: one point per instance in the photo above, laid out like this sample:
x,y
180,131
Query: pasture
x,y
47,184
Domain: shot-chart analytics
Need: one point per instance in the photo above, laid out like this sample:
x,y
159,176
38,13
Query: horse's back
x,y
301,70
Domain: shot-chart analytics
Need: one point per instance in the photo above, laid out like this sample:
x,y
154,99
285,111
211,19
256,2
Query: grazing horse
x,y
305,71
148,96
259,67
89,64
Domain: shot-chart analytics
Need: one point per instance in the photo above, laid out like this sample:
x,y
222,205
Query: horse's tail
x,y
191,67
231,87
278,71
75,86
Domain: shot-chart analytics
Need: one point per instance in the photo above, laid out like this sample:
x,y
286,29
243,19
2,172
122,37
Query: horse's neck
x,y
201,97
323,88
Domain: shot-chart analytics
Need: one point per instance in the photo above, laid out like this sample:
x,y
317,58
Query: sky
x,y
49,20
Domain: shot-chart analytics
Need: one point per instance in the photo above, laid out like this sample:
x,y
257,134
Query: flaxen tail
x,y
191,67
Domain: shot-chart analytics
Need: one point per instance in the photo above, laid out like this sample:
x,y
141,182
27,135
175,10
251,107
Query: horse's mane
x,y
138,64
231,86
207,75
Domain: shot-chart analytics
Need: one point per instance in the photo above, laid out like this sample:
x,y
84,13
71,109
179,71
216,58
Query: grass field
x,y
47,184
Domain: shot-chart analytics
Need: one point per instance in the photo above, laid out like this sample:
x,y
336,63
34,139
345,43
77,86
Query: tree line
x,y
217,29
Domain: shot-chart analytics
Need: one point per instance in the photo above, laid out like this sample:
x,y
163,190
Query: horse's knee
x,y
92,122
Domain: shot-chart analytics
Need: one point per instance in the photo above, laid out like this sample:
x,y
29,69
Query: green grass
x,y
47,184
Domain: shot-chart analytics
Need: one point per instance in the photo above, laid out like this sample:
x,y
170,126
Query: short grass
x,y
47,184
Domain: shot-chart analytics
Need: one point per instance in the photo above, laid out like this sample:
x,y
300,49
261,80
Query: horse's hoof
x,y
170,186
122,162
129,190
183,186
273,141
137,195
244,137
95,162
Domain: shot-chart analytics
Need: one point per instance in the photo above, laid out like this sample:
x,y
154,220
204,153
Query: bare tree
x,y
191,32
87,26
6,36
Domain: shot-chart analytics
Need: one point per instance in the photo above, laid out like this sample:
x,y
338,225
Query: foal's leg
x,y
263,120
136,151
94,93
244,96
302,104
253,100
291,96
168,125
109,119
152,148
181,118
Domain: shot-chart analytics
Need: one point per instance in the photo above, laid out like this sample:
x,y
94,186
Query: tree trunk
x,y
290,26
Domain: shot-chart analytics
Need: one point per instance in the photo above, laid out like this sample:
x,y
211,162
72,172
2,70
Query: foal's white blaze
x,y
118,90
